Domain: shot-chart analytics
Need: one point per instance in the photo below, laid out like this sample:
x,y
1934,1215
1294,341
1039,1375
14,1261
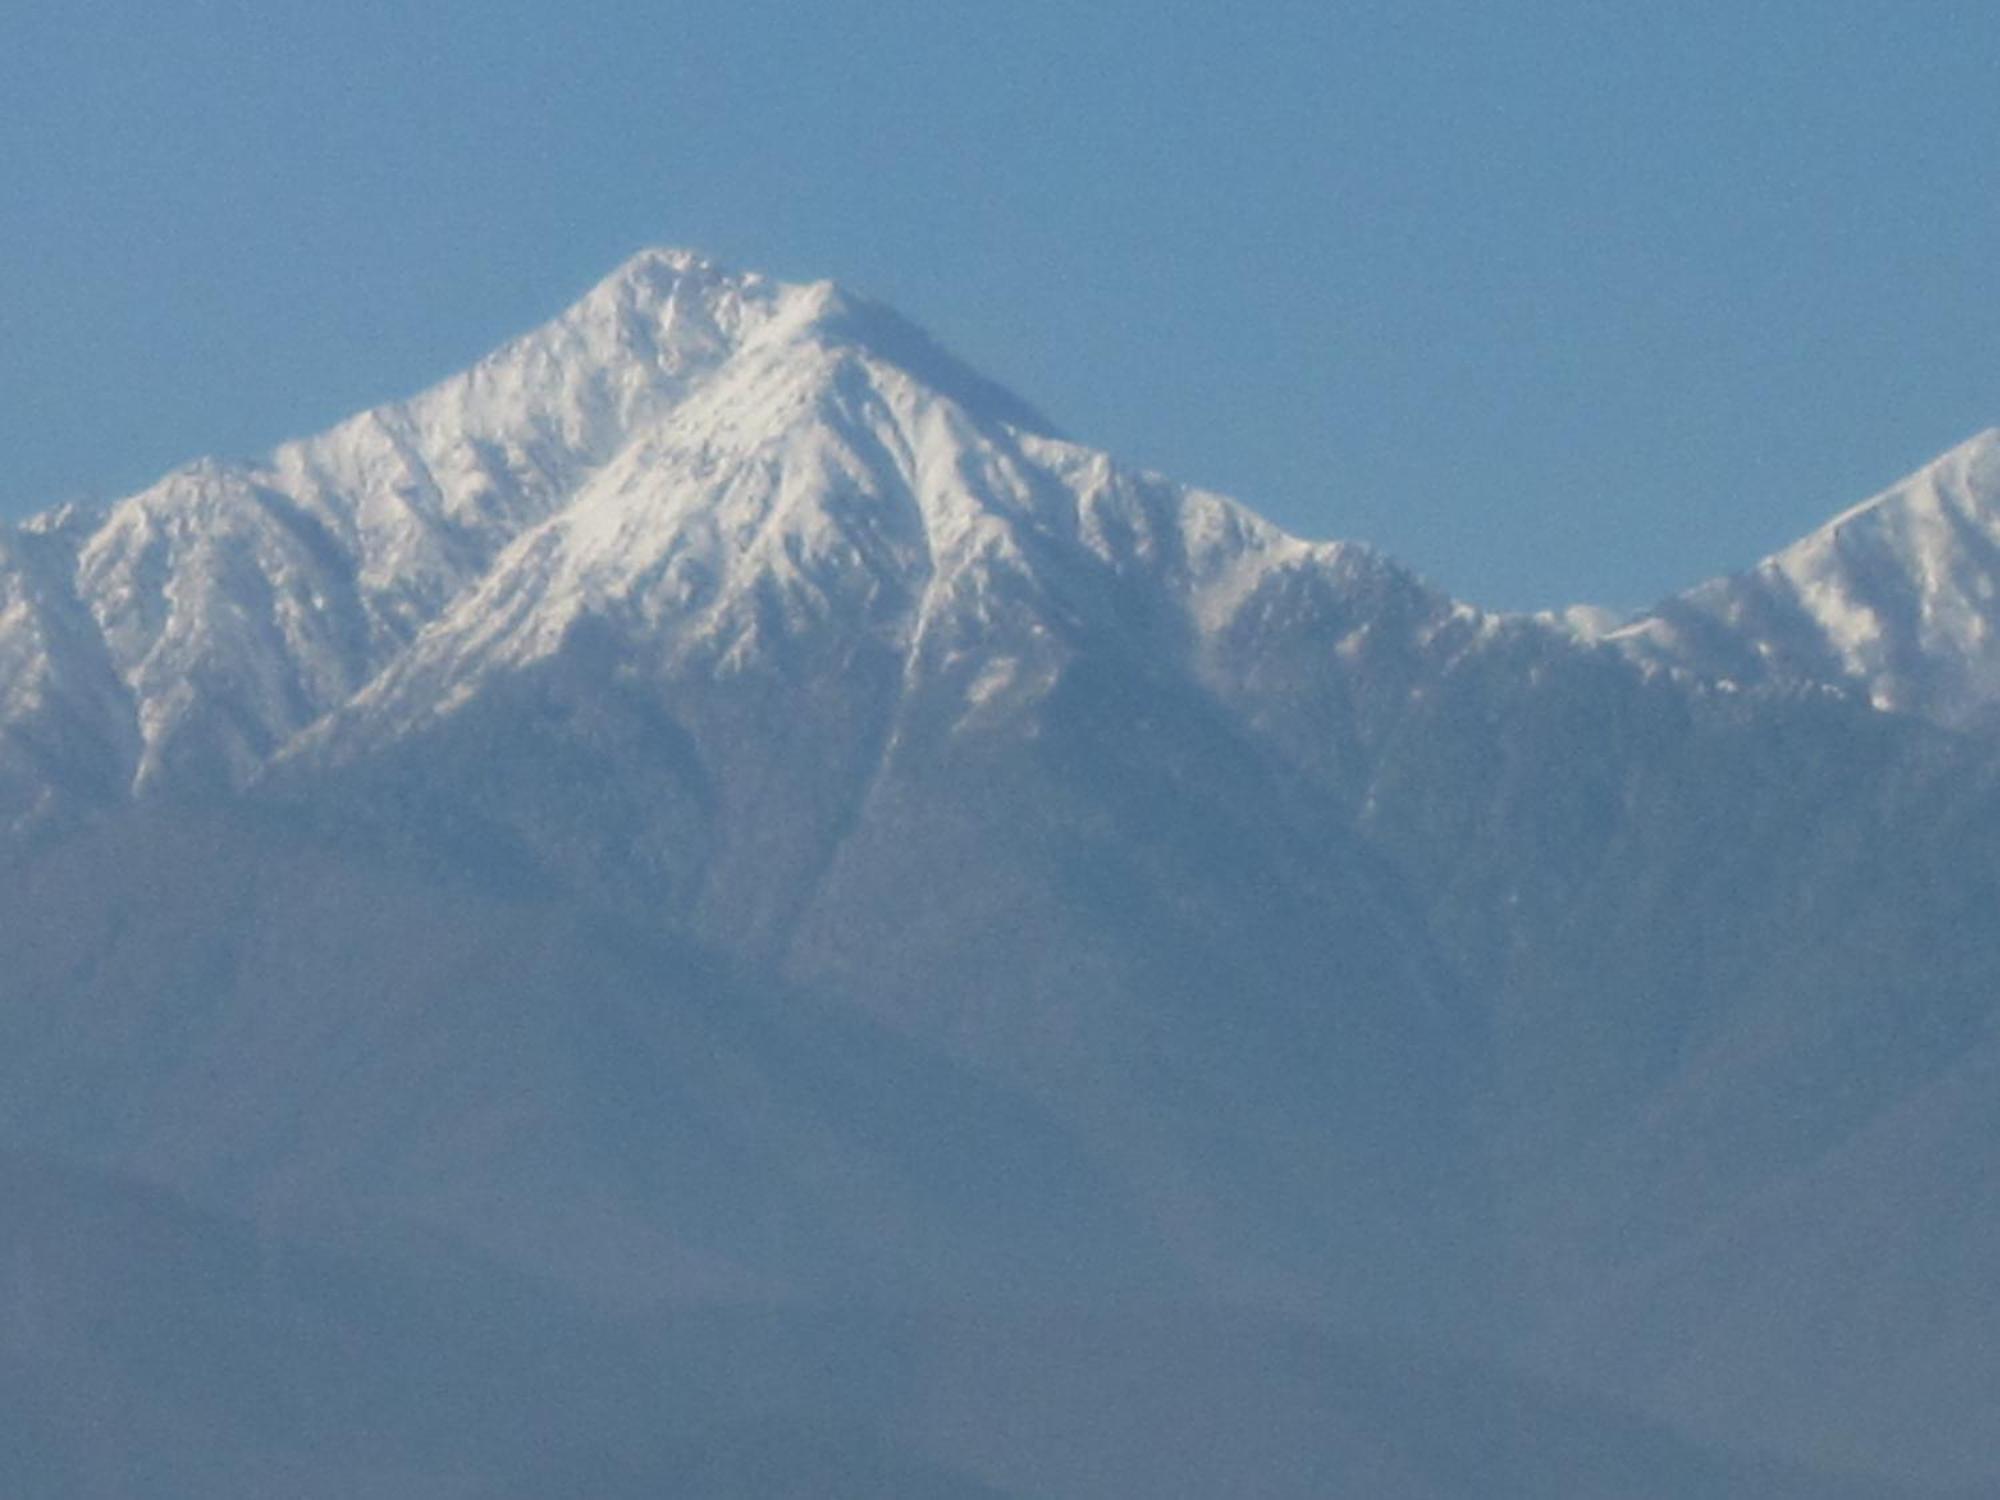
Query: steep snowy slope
x,y
718,455
817,482
1897,600
240,602
66,717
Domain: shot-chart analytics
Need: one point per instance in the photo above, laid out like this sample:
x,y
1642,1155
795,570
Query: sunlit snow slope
x,y
1897,600
717,455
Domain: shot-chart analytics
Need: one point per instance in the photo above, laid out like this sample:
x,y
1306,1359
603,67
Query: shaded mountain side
x,y
1844,1313
1190,1402
1116,906
307,995
153,1351
418,995
1732,953
323,1036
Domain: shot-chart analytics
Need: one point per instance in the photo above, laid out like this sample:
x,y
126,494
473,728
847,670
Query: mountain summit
x,y
718,860
715,452
721,454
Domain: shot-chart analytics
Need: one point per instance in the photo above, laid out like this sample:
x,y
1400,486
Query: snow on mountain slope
x,y
65,716
241,602
815,483
714,462
423,494
709,455
1897,599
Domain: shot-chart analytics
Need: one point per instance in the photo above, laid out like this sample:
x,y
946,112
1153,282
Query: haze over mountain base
x,y
709,907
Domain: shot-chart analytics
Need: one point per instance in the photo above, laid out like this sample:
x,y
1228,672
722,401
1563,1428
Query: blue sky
x,y
1554,301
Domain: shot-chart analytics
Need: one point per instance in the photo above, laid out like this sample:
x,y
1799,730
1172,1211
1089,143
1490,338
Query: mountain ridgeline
x,y
711,907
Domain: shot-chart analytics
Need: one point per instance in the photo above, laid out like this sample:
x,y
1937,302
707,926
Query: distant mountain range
x,y
711,907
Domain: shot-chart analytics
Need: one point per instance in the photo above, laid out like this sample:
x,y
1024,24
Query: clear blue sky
x,y
1554,301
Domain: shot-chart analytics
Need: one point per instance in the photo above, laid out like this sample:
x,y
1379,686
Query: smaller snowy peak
x,y
231,615
66,719
1896,599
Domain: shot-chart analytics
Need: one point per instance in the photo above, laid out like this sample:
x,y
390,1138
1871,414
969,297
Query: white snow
x,y
1894,598
723,463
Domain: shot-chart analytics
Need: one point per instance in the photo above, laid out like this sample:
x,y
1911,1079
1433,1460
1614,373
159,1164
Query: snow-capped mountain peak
x,y
1897,599
239,602
710,454
717,462
838,476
